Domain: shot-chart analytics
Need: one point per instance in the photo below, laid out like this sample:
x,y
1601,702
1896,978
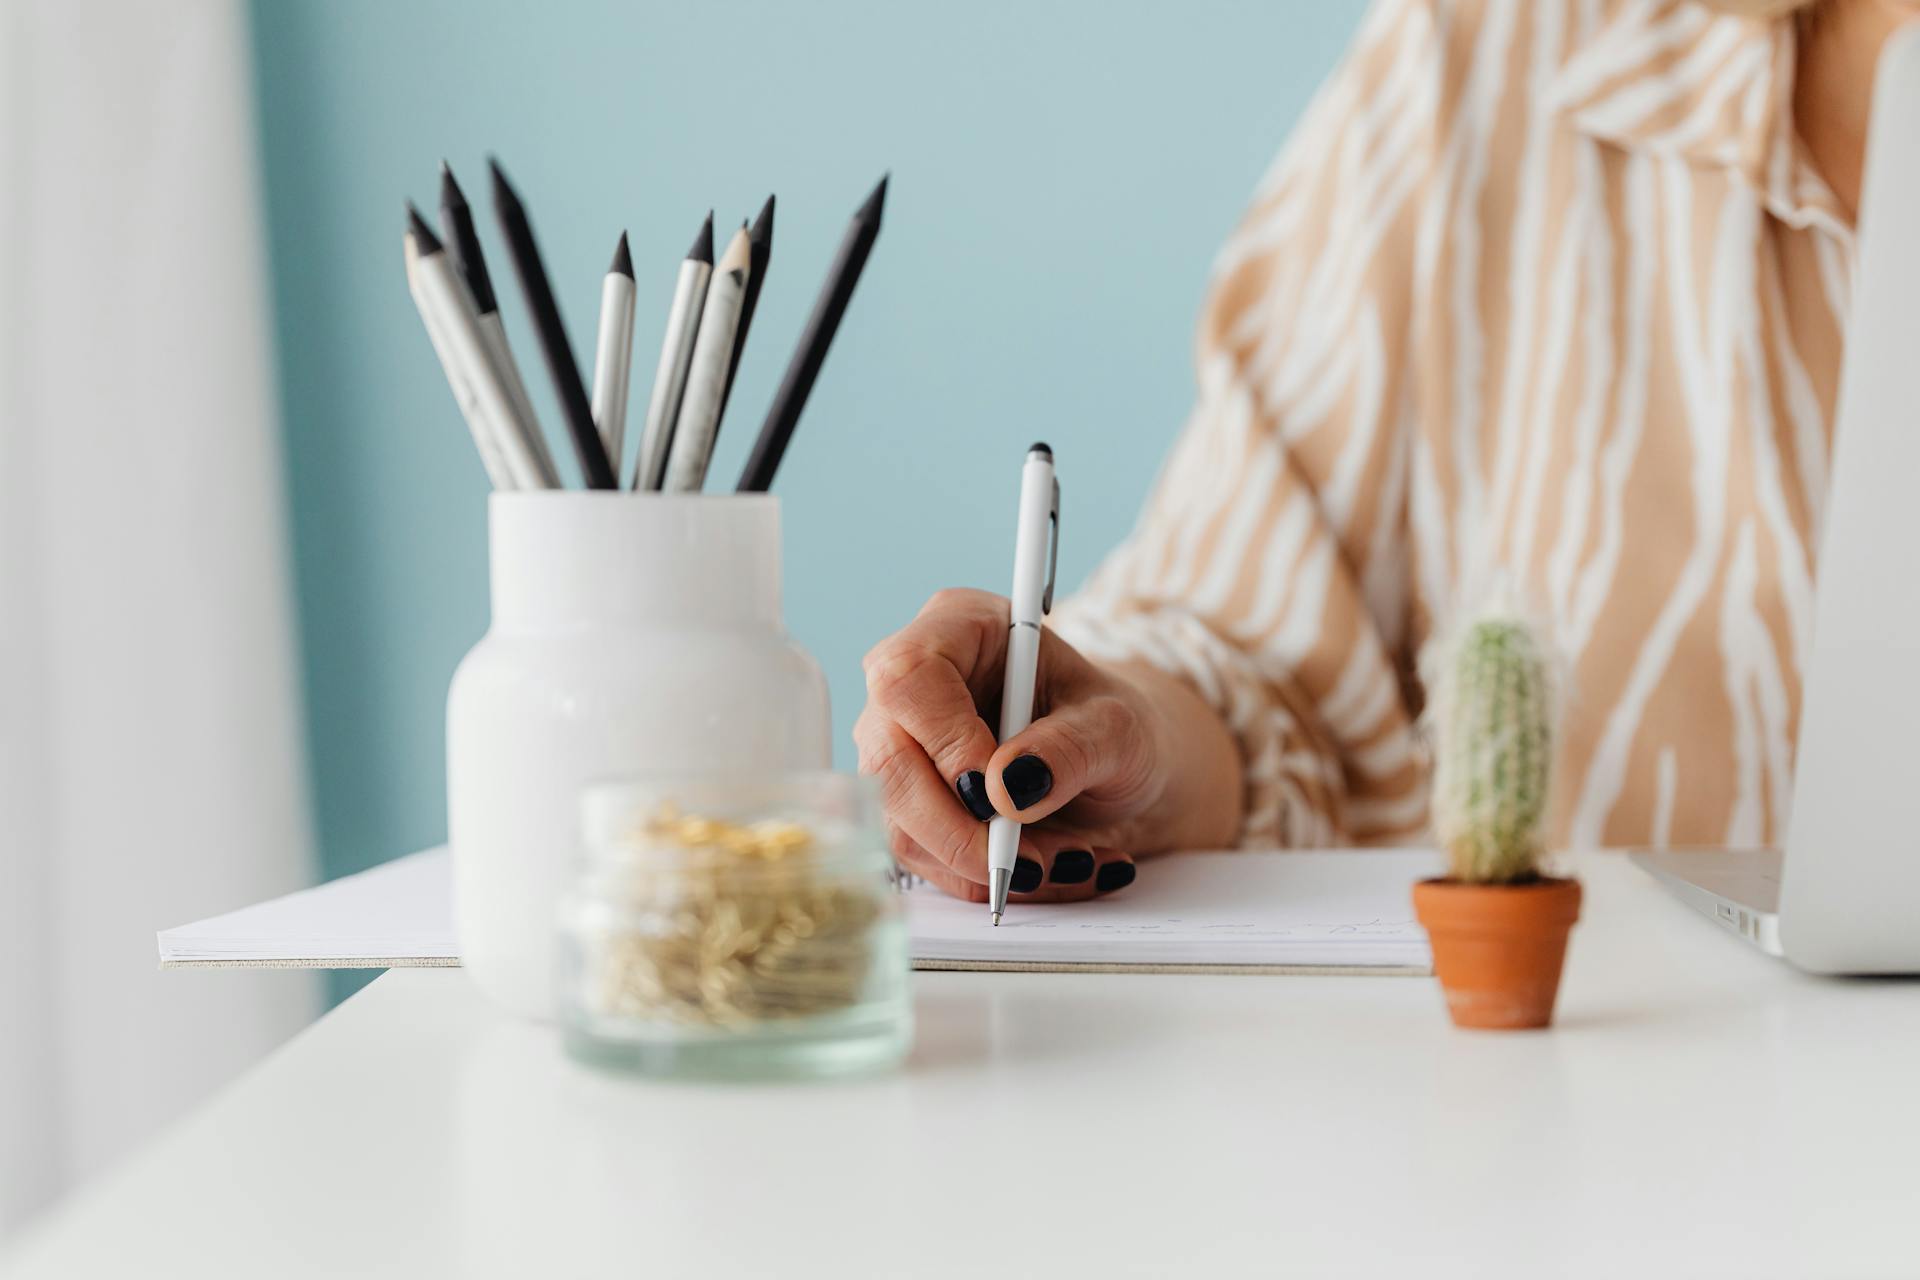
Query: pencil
x,y
759,254
797,383
463,244
446,309
613,354
693,435
676,352
534,285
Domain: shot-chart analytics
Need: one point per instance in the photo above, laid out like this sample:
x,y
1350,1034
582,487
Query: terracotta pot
x,y
1497,948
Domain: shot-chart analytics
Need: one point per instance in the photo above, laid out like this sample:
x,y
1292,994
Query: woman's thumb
x,y
1083,746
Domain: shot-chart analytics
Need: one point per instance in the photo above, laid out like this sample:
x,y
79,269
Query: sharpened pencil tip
x,y
502,189
702,250
622,260
422,234
739,252
763,224
451,196
877,201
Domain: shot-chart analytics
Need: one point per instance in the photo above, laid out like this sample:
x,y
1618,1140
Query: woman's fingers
x,y
1070,873
911,857
918,803
920,677
1073,871
1096,744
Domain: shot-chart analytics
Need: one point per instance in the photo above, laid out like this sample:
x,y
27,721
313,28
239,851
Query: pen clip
x,y
1053,551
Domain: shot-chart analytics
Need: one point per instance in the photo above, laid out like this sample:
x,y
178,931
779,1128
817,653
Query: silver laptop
x,y
1845,898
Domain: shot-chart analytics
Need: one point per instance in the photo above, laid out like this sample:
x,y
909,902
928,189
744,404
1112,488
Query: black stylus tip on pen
x,y
1040,446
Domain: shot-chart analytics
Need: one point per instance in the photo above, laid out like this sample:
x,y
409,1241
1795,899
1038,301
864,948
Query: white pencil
x,y
676,351
484,442
707,374
538,462
613,357
463,245
447,310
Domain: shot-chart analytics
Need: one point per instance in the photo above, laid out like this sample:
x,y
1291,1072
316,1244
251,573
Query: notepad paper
x,y
1334,909
398,915
1345,910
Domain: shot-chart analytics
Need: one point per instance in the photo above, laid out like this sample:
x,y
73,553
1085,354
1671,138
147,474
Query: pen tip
x,y
702,250
1040,446
622,260
422,234
996,919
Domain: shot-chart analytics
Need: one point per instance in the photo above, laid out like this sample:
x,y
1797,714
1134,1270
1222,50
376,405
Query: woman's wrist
x,y
1201,777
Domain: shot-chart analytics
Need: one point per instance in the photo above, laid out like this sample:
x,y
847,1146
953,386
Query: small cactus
x,y
1493,714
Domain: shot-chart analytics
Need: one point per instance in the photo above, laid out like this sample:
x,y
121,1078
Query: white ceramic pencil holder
x,y
632,633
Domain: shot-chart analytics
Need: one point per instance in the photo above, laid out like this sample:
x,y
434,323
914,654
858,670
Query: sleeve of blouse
x,y
1268,569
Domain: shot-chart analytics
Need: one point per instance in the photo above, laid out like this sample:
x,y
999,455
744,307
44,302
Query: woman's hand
x,y
1108,769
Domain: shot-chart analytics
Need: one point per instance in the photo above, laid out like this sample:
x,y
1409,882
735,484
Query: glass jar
x,y
734,926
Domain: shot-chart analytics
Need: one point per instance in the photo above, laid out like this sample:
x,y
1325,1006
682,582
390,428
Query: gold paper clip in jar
x,y
735,927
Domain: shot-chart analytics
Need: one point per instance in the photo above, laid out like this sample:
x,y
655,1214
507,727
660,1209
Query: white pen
x,y
1036,556
614,354
676,353
699,423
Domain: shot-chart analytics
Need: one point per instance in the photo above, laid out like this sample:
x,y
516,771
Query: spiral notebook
x,y
1330,911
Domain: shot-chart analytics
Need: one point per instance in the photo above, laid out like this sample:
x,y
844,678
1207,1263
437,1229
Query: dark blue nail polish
x,y
972,788
1115,875
1026,876
1073,866
1027,781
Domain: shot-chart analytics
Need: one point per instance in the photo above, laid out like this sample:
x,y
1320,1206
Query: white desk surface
x,y
1701,1110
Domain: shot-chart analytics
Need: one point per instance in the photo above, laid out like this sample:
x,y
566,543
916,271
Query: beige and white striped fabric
x,y
1544,292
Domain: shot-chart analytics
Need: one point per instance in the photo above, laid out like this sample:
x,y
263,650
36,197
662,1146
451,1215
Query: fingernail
x,y
1026,876
972,786
1027,781
1115,875
1075,866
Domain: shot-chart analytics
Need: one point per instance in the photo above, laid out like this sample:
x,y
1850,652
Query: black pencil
x,y
759,254
463,242
553,333
797,383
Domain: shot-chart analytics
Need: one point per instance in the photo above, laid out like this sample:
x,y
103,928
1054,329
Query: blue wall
x,y
1063,172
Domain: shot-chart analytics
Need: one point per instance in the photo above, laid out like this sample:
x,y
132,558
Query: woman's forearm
x,y
1202,805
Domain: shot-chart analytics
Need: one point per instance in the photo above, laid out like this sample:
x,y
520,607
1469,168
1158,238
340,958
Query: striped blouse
x,y
1545,294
